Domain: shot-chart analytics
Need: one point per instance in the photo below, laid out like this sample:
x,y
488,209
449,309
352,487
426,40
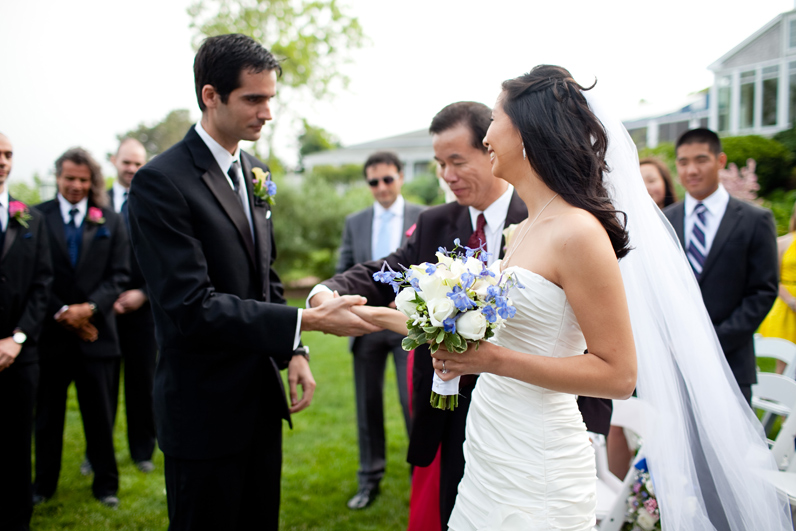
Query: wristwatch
x,y
19,337
303,351
92,307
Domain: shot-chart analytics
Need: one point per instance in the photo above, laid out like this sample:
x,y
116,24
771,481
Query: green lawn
x,y
319,471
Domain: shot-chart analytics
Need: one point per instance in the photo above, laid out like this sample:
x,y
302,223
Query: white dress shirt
x,y
66,206
716,206
396,223
224,159
495,215
119,196
4,200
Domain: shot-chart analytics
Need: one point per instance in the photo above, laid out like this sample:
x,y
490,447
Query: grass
x,y
318,473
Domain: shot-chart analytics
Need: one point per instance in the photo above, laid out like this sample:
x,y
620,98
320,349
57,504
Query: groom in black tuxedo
x,y
484,206
204,242
732,248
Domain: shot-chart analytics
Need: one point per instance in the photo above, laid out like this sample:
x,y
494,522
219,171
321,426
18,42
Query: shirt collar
x,y
397,208
118,189
4,199
66,206
224,158
495,214
714,203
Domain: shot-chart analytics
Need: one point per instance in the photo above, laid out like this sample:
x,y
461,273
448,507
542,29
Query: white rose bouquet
x,y
455,301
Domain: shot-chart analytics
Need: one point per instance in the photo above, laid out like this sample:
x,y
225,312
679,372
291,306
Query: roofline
x,y
716,65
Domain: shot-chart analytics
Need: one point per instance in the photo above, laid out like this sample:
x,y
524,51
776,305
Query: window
x,y
747,111
792,33
725,84
671,132
792,94
770,89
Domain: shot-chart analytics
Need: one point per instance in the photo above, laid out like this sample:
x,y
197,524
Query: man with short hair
x,y
134,322
484,206
25,284
204,241
90,255
371,234
732,248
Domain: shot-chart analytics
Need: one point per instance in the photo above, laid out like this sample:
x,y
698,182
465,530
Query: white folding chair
x,y
630,415
775,393
779,349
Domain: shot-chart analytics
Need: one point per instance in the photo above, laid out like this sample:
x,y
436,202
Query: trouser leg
x,y
370,358
139,350
55,377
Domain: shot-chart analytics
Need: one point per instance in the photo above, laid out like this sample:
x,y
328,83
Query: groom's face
x,y
6,153
74,182
464,167
248,107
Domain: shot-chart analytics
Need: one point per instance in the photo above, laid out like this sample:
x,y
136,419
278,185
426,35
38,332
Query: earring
x,y
523,152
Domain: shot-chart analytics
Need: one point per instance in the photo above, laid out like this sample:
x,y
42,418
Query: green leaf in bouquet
x,y
417,334
409,344
441,336
433,347
431,330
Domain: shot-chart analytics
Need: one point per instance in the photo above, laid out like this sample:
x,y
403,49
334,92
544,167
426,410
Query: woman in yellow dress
x,y
781,320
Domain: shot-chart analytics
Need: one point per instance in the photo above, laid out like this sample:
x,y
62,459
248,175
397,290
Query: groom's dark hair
x,y
701,136
221,60
475,116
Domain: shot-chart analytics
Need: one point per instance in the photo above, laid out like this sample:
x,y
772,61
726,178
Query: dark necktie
x,y
697,246
234,174
478,238
125,213
72,233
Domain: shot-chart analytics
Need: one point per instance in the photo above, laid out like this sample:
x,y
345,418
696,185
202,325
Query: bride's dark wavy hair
x,y
565,143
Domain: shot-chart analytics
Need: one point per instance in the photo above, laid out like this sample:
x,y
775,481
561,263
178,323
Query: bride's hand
x,y
449,365
386,318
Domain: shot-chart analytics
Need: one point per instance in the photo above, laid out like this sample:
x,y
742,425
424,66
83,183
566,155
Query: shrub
x,y
424,189
774,161
780,203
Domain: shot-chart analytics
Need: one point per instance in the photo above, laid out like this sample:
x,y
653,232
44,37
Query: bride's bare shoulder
x,y
578,231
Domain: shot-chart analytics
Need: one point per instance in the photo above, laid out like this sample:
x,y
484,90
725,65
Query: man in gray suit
x,y
370,234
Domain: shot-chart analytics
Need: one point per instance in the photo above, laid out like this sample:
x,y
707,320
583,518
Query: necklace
x,y
516,244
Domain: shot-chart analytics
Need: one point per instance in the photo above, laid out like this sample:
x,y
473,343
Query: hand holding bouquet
x,y
455,301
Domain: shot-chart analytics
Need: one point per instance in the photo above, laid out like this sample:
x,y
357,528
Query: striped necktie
x,y
697,246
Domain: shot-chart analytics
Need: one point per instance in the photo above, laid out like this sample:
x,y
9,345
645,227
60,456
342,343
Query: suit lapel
x,y
678,222
221,189
57,231
732,216
89,232
366,236
262,227
11,233
406,226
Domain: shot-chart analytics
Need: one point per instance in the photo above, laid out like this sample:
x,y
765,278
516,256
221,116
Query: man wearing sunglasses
x,y
370,234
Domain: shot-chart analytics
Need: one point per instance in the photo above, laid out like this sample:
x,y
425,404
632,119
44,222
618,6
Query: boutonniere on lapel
x,y
411,230
18,211
508,233
95,216
264,187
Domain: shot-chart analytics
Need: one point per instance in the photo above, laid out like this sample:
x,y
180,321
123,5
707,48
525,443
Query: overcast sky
x,y
81,72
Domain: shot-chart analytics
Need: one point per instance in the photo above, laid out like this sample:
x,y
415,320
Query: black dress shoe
x,y
145,466
38,499
363,497
109,501
85,467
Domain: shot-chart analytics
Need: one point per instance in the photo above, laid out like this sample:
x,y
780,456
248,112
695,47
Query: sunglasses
x,y
375,182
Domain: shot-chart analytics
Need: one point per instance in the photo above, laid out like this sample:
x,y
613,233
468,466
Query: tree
x,y
161,136
313,38
315,139
22,191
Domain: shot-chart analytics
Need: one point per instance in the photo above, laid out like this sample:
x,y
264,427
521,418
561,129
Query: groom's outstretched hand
x,y
299,374
332,315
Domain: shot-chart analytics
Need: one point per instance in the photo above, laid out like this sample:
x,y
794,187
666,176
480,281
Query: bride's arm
x,y
587,269
382,317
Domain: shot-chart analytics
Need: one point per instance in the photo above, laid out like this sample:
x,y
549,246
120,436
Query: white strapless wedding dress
x,y
529,462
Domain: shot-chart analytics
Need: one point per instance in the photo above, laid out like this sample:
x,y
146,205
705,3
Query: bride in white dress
x,y
529,464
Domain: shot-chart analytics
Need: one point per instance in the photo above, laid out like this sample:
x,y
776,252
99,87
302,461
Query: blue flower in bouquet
x,y
489,313
271,188
460,299
449,325
431,268
492,292
390,277
486,272
467,279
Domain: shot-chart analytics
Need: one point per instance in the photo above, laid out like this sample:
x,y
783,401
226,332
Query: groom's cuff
x,y
297,337
317,289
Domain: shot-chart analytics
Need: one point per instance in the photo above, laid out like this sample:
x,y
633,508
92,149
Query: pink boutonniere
x,y
18,211
411,230
95,215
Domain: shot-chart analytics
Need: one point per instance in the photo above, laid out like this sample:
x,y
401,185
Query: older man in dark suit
x,y
371,234
202,233
732,248
25,283
484,206
90,257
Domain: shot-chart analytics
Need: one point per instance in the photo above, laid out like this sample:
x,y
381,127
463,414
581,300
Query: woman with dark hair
x,y
659,182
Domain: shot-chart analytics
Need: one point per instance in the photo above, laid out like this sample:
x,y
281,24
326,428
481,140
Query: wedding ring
x,y
444,370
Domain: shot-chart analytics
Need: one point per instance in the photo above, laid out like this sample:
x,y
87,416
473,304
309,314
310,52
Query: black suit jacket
x,y
26,277
221,321
438,227
102,269
739,279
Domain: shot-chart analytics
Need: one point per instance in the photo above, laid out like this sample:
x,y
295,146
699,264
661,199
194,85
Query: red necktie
x,y
478,238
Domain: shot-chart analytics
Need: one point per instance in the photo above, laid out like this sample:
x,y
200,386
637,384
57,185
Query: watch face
x,y
19,337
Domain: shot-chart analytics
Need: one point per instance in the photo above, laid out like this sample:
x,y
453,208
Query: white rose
x,y
471,325
440,309
432,287
474,265
495,268
405,301
645,520
480,287
447,260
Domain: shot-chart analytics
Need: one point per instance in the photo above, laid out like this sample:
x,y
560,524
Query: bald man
x,y
135,323
25,282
